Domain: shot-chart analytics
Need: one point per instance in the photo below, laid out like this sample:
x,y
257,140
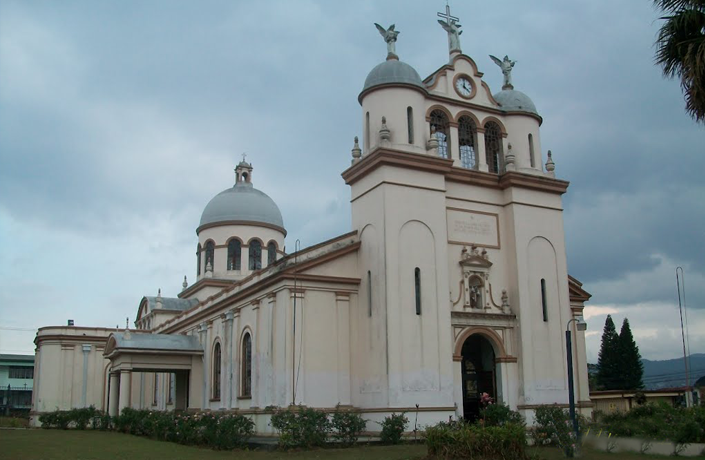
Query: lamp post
x,y
581,326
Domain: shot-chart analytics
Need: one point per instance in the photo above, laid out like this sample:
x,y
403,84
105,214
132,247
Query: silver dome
x,y
242,203
393,71
513,100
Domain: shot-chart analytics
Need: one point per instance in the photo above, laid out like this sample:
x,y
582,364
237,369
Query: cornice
x,y
249,223
382,156
204,282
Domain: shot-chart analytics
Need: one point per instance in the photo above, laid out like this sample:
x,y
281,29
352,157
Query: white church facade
x,y
452,283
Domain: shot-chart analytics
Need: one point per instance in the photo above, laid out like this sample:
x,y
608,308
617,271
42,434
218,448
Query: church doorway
x,y
478,374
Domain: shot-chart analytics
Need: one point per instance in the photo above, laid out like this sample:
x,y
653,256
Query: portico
x,y
131,352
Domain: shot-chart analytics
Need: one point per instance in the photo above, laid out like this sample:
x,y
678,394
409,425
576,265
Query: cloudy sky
x,y
120,120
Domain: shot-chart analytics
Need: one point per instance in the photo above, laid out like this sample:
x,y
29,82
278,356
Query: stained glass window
x,y
216,371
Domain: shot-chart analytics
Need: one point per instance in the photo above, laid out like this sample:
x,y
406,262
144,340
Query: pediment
x,y
474,258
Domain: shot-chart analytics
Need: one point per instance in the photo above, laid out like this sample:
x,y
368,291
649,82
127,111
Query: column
x,y
342,303
272,379
84,386
113,393
454,145
298,369
480,151
236,353
203,338
125,389
228,352
503,157
256,356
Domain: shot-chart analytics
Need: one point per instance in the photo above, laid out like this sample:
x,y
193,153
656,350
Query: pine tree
x,y
609,375
631,368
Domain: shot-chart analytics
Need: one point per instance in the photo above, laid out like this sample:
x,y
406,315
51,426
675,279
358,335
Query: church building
x,y
452,282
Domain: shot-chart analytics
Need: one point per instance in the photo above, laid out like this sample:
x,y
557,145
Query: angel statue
x,y
390,37
506,65
453,29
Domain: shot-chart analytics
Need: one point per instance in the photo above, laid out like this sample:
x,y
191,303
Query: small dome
x,y
242,203
513,100
392,71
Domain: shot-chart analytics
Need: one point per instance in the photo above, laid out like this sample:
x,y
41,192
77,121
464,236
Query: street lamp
x,y
580,326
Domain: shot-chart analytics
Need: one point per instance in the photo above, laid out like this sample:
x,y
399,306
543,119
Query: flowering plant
x,y
486,399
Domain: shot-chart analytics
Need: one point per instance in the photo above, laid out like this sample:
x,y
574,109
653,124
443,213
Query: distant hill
x,y
671,372
668,372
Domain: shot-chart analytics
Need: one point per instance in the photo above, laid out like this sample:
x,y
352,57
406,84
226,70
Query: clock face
x,y
463,86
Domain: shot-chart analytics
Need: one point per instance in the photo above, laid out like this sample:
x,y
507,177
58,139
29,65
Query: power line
x,y
18,329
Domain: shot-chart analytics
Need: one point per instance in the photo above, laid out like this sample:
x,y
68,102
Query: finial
x,y
509,159
451,26
185,283
432,142
550,165
244,157
159,293
356,151
390,37
384,133
505,302
506,65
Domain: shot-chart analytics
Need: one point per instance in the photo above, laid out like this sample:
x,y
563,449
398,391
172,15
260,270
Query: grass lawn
x,y
90,445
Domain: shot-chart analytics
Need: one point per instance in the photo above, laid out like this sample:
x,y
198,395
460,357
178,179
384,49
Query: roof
x,y
512,100
135,341
393,71
170,303
17,358
242,204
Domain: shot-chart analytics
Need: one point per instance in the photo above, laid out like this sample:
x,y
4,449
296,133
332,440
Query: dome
x,y
242,203
513,100
393,71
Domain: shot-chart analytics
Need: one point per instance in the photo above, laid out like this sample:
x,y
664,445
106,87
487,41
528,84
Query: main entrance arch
x,y
479,373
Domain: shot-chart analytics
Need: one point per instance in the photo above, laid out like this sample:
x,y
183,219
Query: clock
x,y
463,86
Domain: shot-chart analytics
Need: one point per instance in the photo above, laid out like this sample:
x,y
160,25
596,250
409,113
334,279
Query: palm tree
x,y
680,50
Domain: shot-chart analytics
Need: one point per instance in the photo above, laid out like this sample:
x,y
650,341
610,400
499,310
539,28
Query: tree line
x,y
619,362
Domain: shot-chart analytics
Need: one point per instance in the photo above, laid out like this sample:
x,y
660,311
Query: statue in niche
x,y
453,29
506,65
390,37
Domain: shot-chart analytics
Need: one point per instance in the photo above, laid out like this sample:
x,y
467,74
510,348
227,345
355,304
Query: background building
x,y
16,383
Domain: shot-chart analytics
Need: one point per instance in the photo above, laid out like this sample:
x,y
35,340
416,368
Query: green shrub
x,y
554,426
457,440
57,419
659,421
393,427
80,418
500,415
347,426
301,427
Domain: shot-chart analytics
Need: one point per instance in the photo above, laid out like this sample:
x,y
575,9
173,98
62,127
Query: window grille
x,y
439,120
493,146
271,253
20,372
466,139
255,255
234,255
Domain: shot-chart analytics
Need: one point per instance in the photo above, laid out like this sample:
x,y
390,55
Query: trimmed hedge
x,y
457,440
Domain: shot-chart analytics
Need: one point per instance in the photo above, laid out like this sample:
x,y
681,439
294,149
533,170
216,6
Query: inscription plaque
x,y
473,227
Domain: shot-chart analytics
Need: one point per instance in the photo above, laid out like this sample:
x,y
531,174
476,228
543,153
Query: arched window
x,y
216,371
466,138
198,260
210,254
410,123
367,132
544,304
234,255
255,255
439,121
531,150
271,253
493,146
246,363
417,289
